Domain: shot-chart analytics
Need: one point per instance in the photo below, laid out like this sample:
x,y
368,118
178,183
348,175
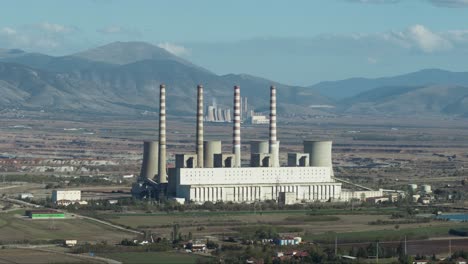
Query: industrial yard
x,y
365,152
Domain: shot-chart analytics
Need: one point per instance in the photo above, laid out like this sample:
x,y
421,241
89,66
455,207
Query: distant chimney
x,y
200,156
273,140
236,140
162,175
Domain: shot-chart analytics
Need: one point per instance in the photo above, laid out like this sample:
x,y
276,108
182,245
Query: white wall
x,y
249,175
255,192
67,195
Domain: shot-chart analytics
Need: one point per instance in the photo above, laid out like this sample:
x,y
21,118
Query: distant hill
x,y
408,100
6,53
121,53
351,87
123,78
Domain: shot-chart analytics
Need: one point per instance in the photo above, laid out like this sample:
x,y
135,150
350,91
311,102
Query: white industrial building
x,y
254,184
211,175
66,196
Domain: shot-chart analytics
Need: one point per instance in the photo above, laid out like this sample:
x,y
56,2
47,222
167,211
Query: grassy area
x,y
318,211
279,229
233,218
40,257
384,235
153,257
312,218
14,227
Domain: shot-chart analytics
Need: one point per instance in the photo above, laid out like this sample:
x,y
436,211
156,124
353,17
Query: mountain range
x,y
123,78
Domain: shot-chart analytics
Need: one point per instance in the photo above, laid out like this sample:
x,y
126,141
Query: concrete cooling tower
x,y
211,148
149,167
259,146
320,153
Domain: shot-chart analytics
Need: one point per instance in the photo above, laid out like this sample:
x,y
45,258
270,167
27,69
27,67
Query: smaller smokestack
x,y
200,156
162,175
236,140
273,139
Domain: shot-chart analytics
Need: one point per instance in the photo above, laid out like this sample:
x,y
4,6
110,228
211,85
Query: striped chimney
x,y
273,140
200,158
236,136
162,175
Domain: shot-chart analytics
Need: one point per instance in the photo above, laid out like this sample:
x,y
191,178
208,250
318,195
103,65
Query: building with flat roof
x,y
45,214
66,196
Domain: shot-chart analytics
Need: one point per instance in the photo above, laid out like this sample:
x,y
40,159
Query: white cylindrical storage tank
x,y
149,167
413,186
320,153
426,188
259,146
210,148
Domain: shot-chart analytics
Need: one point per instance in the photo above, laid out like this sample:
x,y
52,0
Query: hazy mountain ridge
x,y
350,87
113,82
123,78
422,100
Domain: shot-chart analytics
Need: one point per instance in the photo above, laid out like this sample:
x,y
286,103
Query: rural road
x,y
81,256
109,224
79,216
44,248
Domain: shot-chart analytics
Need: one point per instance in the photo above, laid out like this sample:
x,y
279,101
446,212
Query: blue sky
x,y
296,42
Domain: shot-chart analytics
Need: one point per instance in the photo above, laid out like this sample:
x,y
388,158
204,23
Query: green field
x,y
385,235
16,228
41,257
153,257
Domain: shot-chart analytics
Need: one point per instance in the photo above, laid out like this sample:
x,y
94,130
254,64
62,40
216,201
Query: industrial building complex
x,y
211,175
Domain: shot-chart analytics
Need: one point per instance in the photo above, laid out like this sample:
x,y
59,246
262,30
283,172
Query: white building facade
x,y
66,196
256,184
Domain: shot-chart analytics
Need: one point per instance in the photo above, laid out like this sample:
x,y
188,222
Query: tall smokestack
x,y
236,140
162,175
200,156
273,140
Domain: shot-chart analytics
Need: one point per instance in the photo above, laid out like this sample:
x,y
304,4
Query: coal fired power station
x,y
208,174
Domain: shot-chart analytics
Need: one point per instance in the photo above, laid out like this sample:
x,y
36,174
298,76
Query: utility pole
x,y
450,248
406,249
377,255
336,246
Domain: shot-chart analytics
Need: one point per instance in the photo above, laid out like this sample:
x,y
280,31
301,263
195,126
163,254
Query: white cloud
x,y
375,1
41,37
372,60
427,40
8,31
175,49
118,30
54,28
110,30
450,3
441,3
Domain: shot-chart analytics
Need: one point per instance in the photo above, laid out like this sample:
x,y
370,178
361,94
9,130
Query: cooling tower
x,y
162,174
226,113
219,115
259,147
236,140
210,148
149,167
200,126
320,153
210,115
274,146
